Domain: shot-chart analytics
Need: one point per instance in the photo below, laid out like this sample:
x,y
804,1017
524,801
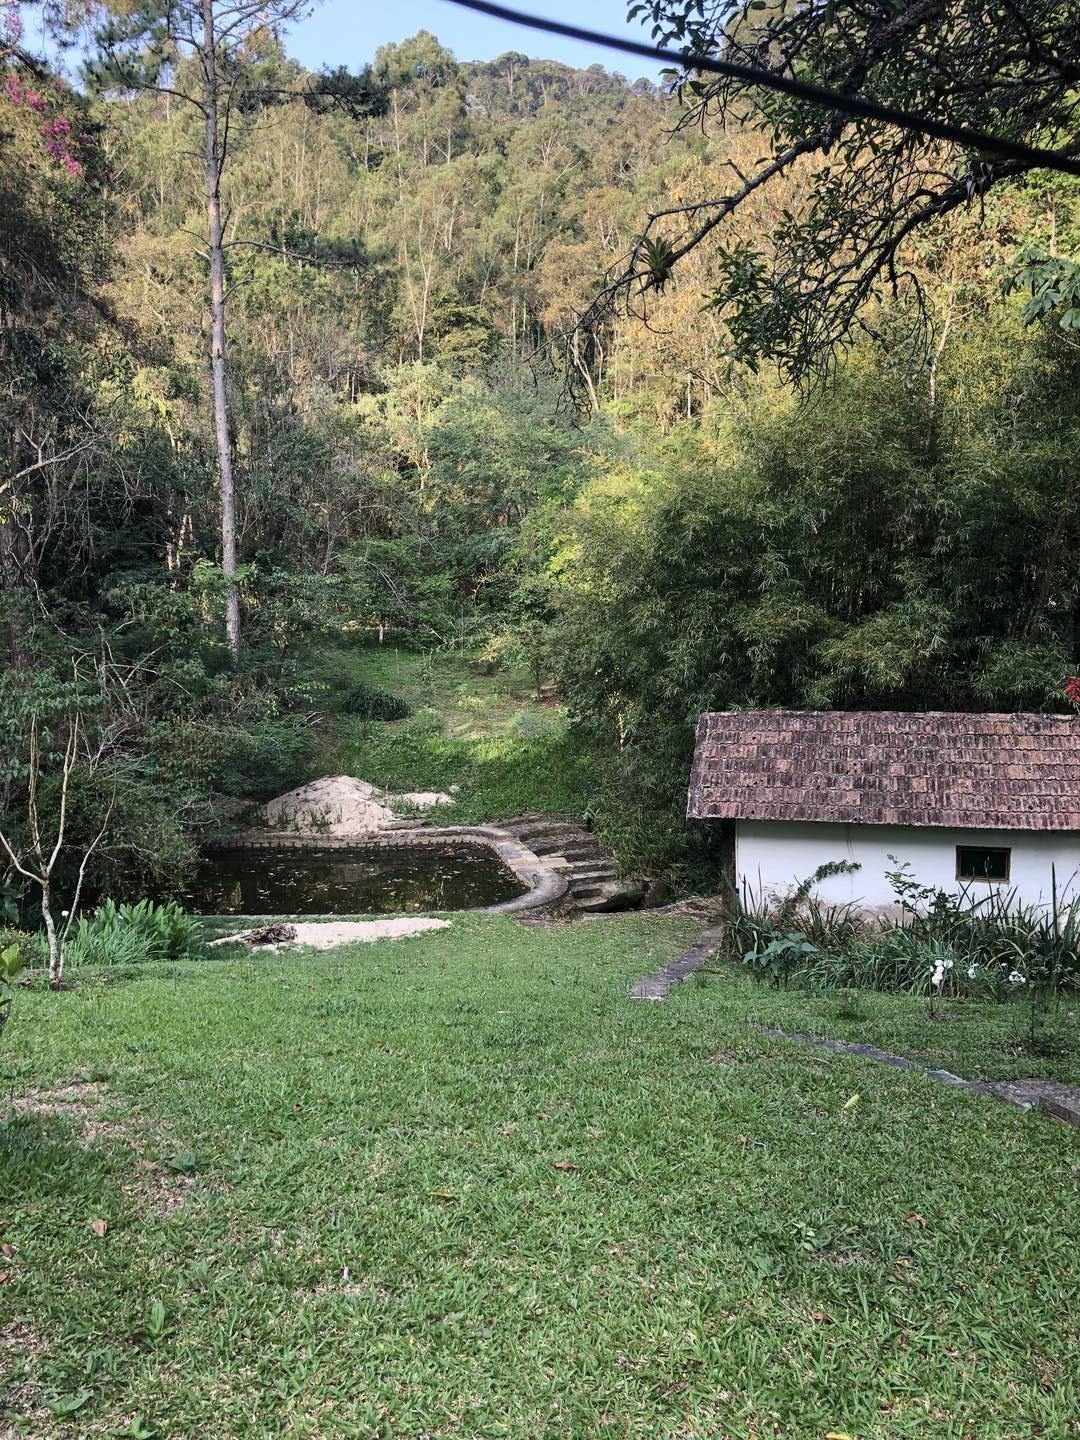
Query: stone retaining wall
x,y
543,883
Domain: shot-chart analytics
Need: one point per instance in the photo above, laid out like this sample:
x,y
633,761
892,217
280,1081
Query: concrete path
x,y
656,987
1050,1096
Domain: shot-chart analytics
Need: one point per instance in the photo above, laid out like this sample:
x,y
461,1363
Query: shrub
x,y
947,943
133,934
782,936
26,945
782,957
372,704
11,962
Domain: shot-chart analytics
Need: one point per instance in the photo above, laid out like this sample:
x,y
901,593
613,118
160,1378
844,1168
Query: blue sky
x,y
347,32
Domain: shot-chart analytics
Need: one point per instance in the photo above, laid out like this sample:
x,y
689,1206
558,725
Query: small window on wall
x,y
976,863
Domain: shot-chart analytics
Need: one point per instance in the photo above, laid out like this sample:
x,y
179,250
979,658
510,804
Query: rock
x,y
326,934
1061,1109
273,934
659,892
276,933
613,895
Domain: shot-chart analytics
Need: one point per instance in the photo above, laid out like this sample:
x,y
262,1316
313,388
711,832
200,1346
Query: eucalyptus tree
x,y
208,54
794,290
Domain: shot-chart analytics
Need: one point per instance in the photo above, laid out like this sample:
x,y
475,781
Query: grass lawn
x,y
488,734
981,1041
460,1186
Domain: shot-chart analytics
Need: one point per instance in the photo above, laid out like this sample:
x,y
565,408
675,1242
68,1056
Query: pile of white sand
x,y
334,805
338,805
326,934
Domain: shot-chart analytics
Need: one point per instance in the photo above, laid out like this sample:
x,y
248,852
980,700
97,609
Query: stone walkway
x,y
656,986
1051,1096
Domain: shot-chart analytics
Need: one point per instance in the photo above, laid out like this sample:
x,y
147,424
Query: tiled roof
x,y
985,772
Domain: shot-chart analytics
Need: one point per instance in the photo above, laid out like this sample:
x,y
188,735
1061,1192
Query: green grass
x,y
460,1186
987,1040
487,734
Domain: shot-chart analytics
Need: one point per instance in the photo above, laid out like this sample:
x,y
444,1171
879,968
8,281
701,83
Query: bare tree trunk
x,y
56,950
37,861
213,159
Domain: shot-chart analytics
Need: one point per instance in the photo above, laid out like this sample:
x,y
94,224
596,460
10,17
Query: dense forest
x,y
657,509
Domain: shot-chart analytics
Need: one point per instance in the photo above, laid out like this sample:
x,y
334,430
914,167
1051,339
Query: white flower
x,y
972,971
1017,979
942,965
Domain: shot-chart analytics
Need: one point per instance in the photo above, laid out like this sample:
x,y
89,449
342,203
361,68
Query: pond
x,y
325,881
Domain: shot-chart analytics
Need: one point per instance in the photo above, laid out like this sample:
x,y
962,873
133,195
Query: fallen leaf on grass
x,y
838,1435
850,1104
822,1315
443,1195
182,1164
914,1218
68,1404
100,1228
142,1429
564,1165
5,1276
7,1250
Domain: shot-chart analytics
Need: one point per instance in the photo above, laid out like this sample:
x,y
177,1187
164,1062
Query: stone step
x,y
587,888
578,864
568,846
538,830
588,877
529,817
547,844
515,822
586,850
609,895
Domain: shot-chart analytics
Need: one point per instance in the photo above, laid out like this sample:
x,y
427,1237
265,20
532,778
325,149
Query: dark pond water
x,y
347,882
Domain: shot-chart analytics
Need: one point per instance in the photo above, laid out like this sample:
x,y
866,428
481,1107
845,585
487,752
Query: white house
x,y
971,802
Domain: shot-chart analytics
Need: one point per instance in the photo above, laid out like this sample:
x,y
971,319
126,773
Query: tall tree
x,y
207,54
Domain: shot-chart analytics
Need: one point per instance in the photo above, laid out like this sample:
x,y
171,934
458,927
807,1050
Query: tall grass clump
x,y
987,945
135,934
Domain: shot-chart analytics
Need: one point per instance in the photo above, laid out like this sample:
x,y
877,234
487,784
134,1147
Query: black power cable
x,y
979,140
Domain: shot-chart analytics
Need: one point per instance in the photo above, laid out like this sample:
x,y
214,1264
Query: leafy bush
x,y
9,903
947,943
782,957
778,937
11,962
25,945
372,704
133,934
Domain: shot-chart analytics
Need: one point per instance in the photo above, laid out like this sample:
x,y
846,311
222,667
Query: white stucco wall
x,y
774,855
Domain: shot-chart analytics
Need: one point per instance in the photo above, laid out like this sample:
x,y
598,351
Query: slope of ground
x,y
459,1185
487,734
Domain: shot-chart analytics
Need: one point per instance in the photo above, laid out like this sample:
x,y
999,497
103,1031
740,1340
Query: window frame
x,y
1005,850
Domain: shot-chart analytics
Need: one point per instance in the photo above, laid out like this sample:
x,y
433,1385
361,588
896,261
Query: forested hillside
x,y
425,445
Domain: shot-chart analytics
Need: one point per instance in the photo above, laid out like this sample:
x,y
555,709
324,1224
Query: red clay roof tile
x,y
986,772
